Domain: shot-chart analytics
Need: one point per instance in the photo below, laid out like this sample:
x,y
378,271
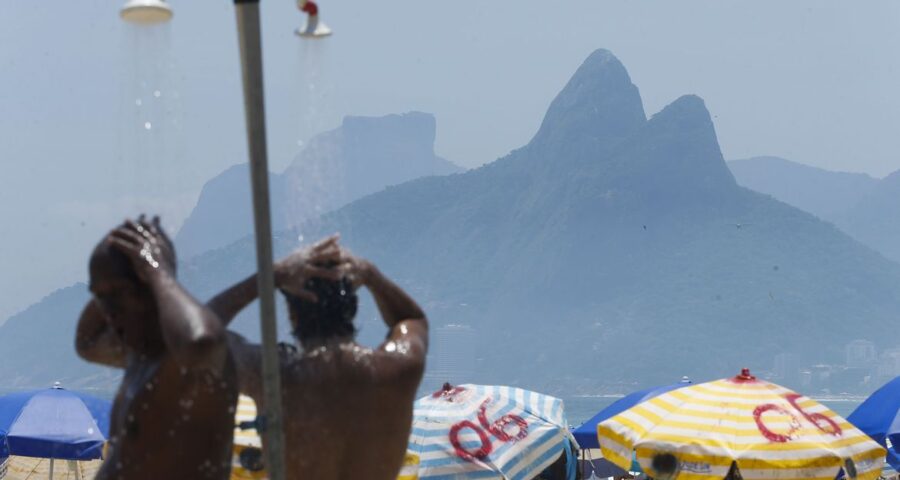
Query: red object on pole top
x,y
745,376
311,8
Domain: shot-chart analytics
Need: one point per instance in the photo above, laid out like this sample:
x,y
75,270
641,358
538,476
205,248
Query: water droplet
x,y
149,385
148,125
299,143
138,102
157,93
300,238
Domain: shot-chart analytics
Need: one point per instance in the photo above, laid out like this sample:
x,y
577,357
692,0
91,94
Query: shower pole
x,y
250,41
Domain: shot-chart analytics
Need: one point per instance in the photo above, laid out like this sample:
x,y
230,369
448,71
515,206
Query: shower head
x,y
146,11
314,27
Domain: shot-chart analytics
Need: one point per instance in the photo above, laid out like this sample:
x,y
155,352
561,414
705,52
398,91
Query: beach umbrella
x,y
766,431
879,418
55,424
586,434
486,432
247,459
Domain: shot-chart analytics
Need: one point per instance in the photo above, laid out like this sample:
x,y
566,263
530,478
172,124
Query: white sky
x,y
811,80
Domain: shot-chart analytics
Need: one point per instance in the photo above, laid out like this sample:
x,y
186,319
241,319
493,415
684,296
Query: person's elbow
x,y
205,351
83,348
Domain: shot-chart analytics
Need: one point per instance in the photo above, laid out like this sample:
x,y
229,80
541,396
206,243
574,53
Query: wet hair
x,y
330,317
107,259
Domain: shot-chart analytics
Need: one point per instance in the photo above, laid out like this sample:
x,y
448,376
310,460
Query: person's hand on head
x,y
318,261
146,246
356,269
166,246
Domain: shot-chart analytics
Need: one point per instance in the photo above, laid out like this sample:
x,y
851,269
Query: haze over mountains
x,y
609,250
866,208
362,156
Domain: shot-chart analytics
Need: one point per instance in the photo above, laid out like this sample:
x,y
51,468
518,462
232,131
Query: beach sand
x,y
27,468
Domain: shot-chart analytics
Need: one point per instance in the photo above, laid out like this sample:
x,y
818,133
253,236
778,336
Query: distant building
x,y
860,353
889,364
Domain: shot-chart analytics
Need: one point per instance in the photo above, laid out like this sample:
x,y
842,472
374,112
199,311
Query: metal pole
x,y
51,469
254,105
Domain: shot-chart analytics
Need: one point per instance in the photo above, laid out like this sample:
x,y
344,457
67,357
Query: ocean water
x,y
581,408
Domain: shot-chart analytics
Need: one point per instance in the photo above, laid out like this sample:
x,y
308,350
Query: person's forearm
x,y
190,330
394,304
227,304
95,342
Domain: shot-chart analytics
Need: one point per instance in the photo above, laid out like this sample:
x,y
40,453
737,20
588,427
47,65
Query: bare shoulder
x,y
402,355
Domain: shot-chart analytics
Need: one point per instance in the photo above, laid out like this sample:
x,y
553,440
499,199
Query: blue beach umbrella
x,y
879,418
55,423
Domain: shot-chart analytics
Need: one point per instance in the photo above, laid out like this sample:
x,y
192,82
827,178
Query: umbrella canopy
x,y
246,459
767,431
879,417
487,432
55,423
586,434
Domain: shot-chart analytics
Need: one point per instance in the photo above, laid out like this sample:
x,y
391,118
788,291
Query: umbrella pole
x,y
248,26
51,469
73,466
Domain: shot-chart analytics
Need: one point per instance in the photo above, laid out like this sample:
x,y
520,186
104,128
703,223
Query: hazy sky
x,y
811,80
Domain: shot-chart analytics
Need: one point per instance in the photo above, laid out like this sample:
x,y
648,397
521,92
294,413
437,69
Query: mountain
x,y
362,156
826,194
875,218
612,249
38,346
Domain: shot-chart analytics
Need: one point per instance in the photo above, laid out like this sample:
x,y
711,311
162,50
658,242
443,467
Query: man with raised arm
x,y
173,416
347,408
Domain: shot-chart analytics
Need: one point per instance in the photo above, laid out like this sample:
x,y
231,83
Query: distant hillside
x,y
866,208
611,249
362,156
875,219
826,194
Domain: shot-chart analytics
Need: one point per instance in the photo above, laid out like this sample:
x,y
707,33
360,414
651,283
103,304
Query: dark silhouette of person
x,y
347,408
173,415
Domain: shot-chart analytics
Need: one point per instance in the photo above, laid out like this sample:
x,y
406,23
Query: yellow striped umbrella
x,y
247,444
767,431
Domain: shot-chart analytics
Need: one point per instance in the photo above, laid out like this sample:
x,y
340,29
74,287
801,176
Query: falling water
x,y
150,136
